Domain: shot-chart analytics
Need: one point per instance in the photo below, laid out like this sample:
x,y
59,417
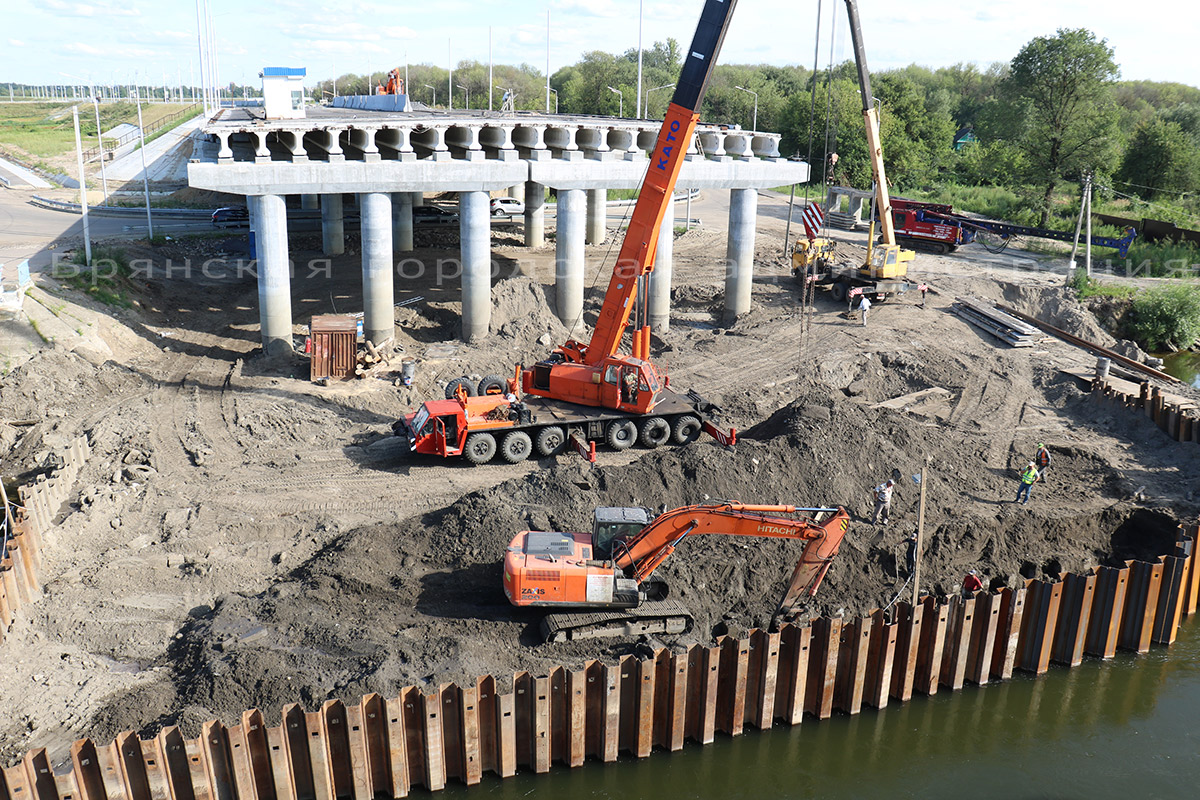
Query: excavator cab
x,y
616,526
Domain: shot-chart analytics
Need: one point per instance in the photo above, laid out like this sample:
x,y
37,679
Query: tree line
x,y
1034,125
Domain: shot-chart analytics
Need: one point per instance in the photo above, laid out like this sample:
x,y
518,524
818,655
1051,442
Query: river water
x,y
1126,728
1184,365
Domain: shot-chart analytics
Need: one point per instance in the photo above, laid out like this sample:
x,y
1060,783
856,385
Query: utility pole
x,y
924,478
491,79
449,79
547,61
87,235
145,178
1079,223
1087,258
100,144
641,5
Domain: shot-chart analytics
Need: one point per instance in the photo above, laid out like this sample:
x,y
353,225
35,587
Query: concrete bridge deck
x,y
391,159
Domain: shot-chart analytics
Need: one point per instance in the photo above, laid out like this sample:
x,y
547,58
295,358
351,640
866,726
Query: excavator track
x,y
655,616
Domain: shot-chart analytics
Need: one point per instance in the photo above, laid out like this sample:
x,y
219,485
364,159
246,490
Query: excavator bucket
x,y
811,569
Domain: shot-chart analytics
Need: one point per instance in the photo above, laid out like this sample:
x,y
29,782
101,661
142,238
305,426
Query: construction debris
x,y
1003,326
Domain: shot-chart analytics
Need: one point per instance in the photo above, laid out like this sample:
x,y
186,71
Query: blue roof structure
x,y
284,72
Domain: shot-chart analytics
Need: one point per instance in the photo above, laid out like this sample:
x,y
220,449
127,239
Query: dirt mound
x,y
385,606
521,309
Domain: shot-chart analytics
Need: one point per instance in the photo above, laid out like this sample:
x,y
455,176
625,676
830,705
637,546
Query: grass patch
x,y
104,280
1163,259
47,130
1087,287
994,202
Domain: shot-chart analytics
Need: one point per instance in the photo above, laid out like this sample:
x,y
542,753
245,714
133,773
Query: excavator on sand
x,y
605,578
584,393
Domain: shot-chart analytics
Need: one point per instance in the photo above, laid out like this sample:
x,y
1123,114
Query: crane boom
x,y
871,118
636,257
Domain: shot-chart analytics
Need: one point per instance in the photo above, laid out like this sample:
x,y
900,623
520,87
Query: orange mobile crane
x,y
611,569
583,393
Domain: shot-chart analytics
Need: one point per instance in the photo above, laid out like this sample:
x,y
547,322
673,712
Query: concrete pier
x,y
535,214
309,202
402,221
517,192
375,212
274,274
333,230
739,254
571,217
475,232
597,215
660,280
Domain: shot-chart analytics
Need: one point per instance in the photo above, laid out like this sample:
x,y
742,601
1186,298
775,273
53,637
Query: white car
x,y
507,206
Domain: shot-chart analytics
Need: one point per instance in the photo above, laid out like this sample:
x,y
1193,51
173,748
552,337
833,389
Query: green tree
x,y
1161,157
1058,95
1166,317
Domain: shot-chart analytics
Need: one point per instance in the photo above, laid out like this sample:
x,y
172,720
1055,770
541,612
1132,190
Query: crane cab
x,y
619,382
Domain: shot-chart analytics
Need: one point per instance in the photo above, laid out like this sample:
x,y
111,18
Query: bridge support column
x,y
535,214
379,317
402,221
475,235
309,202
597,215
660,279
418,199
274,273
739,254
333,229
517,192
571,217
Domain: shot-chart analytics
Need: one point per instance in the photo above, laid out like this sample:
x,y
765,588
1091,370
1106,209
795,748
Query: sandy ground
x,y
243,538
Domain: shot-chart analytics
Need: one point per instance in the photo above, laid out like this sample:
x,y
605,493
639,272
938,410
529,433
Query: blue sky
x,y
108,40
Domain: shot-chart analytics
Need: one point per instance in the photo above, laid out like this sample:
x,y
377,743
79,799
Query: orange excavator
x,y
610,571
584,393
395,84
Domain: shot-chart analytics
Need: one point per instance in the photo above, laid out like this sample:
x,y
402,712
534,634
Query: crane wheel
x,y
655,431
686,430
551,440
516,447
480,448
838,290
621,434
452,387
492,384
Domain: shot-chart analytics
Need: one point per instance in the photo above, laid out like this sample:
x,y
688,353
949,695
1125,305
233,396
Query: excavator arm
x,y
635,261
641,556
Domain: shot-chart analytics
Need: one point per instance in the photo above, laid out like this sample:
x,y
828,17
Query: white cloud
x,y
587,8
16,43
96,10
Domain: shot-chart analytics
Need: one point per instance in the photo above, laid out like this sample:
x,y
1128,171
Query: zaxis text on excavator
x,y
610,571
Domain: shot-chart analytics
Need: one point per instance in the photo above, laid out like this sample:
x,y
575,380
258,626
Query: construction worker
x,y
910,554
1027,479
883,501
1042,460
864,305
972,583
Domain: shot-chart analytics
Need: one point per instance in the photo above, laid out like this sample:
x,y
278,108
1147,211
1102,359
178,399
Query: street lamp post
x,y
430,88
754,125
646,115
620,101
555,91
467,92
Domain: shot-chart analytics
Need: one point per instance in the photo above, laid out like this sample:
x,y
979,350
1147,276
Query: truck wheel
x,y
838,291
453,385
492,384
655,431
686,430
621,434
550,441
480,448
516,447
